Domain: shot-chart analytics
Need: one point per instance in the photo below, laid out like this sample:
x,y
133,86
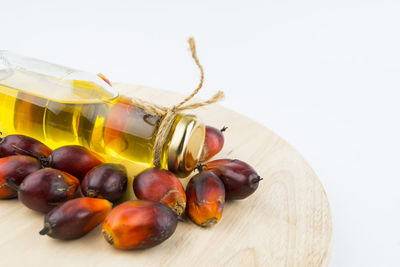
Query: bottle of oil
x,y
62,106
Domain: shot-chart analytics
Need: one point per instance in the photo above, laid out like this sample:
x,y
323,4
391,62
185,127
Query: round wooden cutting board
x,y
286,222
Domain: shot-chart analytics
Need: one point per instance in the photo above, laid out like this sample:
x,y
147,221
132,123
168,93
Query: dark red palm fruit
x,y
73,159
162,186
104,78
205,199
239,178
106,181
213,142
75,218
44,189
15,168
139,224
16,144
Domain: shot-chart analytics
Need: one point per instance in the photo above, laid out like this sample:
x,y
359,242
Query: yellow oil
x,y
40,106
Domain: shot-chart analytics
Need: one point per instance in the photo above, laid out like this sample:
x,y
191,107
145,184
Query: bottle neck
x,y
183,145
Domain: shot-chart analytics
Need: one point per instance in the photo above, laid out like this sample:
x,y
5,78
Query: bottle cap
x,y
186,144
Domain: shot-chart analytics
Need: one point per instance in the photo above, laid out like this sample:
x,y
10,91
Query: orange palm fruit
x,y
15,168
75,217
162,186
139,224
205,198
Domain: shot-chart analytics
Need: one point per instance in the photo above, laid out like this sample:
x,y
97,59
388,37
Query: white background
x,y
324,75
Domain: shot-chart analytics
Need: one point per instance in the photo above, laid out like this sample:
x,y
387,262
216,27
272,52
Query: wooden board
x,y
286,222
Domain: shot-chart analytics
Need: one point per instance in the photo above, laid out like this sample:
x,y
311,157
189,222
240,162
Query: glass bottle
x,y
61,106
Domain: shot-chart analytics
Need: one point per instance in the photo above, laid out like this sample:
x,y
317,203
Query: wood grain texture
x,y
286,222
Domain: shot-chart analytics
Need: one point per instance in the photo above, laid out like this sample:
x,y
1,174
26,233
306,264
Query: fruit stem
x,y
91,193
224,129
200,167
108,237
45,230
257,179
210,222
10,183
44,162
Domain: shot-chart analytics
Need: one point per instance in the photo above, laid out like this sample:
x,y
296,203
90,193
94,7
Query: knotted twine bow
x,y
168,113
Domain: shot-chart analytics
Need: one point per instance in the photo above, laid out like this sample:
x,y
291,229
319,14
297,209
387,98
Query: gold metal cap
x,y
186,145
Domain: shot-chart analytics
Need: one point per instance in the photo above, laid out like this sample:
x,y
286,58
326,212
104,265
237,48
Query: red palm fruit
x,y
139,224
75,217
213,142
15,168
16,144
162,186
239,178
104,78
106,181
76,160
44,189
205,198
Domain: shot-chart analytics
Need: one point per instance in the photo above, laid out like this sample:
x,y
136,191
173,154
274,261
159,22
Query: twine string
x,y
168,114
